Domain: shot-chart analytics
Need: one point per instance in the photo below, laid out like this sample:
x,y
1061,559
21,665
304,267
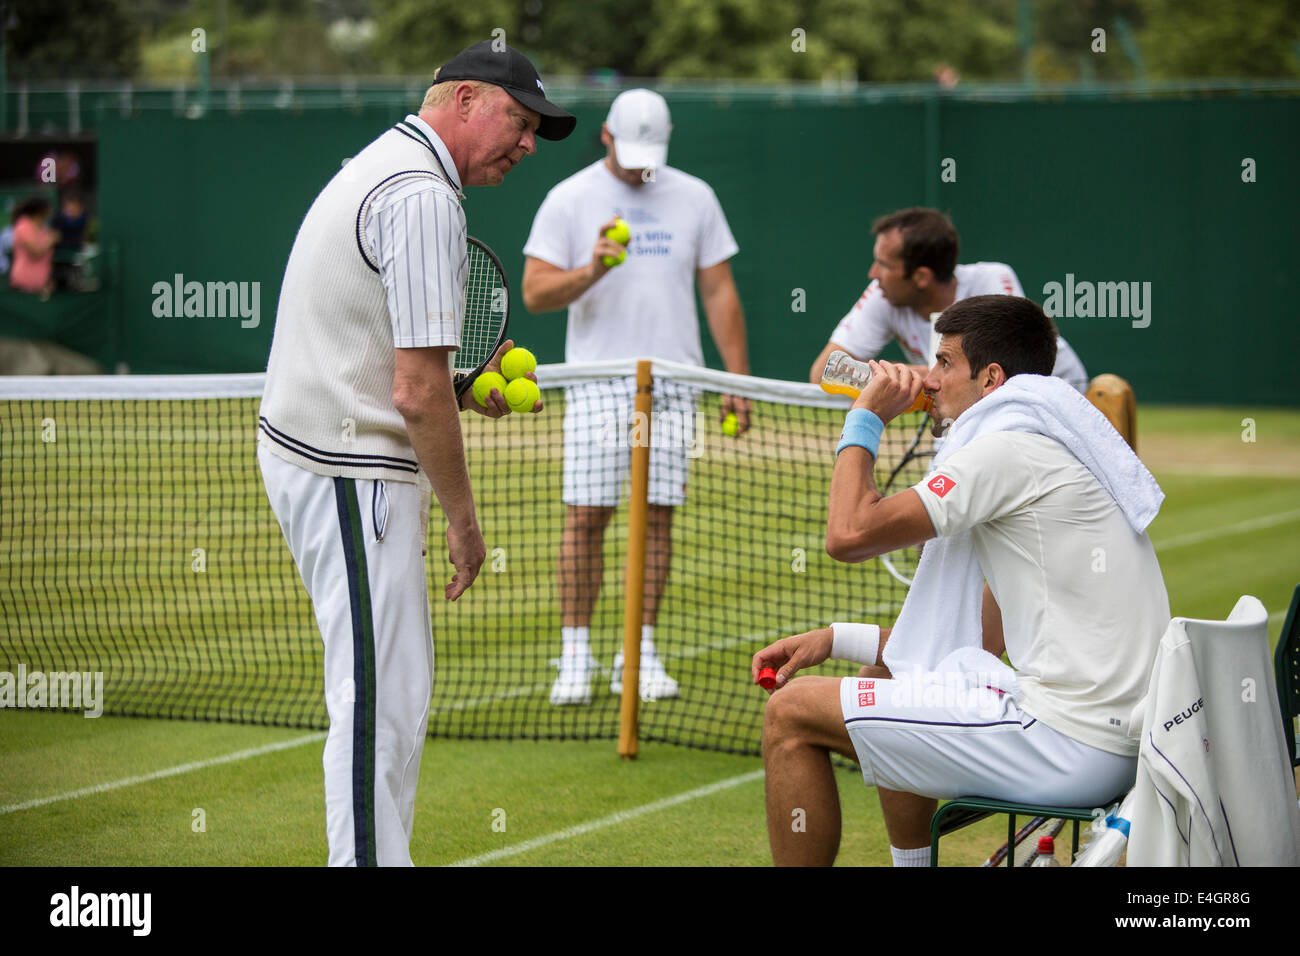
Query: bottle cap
x,y
1046,846
767,678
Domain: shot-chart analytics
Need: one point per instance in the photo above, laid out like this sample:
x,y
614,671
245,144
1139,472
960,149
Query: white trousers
x,y
359,547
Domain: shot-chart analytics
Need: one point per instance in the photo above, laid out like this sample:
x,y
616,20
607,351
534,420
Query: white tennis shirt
x,y
644,308
874,322
1082,597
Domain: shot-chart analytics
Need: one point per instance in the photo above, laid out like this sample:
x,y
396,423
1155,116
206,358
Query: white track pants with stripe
x,y
358,546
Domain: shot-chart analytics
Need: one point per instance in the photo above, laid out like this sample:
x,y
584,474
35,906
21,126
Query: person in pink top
x,y
34,242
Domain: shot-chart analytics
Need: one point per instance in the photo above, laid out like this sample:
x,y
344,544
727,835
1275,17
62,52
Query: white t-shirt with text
x,y
644,308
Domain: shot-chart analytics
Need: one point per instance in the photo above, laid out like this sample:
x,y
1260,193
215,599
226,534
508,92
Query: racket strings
x,y
485,309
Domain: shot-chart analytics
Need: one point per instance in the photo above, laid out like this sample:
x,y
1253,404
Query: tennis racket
x,y
1025,853
1023,856
487,314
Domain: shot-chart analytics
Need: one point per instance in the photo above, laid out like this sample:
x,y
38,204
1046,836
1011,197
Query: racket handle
x,y
845,375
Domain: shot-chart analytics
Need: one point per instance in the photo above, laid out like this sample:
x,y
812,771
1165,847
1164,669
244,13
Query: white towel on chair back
x,y
941,612
1214,785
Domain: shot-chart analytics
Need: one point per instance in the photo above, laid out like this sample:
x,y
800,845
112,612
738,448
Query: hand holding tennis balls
x,y
735,415
621,234
521,393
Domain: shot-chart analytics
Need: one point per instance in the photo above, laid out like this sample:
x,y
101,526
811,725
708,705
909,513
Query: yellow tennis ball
x,y
522,394
484,384
731,425
517,363
621,234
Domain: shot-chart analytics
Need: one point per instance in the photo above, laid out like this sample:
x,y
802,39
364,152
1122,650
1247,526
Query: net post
x,y
634,582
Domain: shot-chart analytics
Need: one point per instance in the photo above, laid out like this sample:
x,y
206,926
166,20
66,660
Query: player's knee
x,y
806,712
786,717
589,521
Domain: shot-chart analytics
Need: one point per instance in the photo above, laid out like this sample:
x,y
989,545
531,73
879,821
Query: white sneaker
x,y
654,680
573,683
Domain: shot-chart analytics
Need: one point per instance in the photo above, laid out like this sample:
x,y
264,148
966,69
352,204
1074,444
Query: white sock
x,y
576,641
918,857
647,641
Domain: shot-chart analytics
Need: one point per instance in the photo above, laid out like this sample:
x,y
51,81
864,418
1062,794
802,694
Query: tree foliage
x,y
61,38
834,41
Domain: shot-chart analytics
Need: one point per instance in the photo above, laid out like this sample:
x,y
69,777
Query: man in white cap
x,y
643,307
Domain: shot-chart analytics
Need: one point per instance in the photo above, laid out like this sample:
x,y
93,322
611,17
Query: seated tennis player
x,y
1032,491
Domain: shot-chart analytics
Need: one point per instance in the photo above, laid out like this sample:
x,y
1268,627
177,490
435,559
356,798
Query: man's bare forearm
x,y
427,403
853,492
727,326
439,448
553,289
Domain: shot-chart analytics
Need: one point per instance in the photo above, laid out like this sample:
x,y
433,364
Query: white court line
x,y
612,820
1209,534
159,774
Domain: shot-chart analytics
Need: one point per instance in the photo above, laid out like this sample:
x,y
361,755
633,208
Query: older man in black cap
x,y
359,422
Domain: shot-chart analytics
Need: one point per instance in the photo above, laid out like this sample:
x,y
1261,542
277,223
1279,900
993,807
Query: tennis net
x,y
138,542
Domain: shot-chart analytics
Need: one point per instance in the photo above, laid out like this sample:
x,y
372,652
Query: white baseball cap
x,y
639,122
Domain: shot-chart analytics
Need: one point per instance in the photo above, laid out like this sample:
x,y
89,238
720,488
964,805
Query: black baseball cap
x,y
493,62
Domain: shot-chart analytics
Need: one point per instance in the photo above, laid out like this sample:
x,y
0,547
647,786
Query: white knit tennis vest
x,y
328,401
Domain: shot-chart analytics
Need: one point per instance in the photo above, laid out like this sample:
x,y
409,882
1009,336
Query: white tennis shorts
x,y
927,736
600,430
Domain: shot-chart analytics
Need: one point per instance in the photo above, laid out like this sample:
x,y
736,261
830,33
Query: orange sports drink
x,y
845,375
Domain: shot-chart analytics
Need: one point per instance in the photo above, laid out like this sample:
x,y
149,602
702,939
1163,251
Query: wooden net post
x,y
634,583
1114,398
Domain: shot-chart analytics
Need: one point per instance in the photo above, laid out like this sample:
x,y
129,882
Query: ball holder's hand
x,y
734,414
466,552
893,390
608,253
493,402
790,655
620,235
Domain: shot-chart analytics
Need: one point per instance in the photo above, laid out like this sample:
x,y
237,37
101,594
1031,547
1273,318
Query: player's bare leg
x,y
802,726
907,818
658,557
580,572
581,562
656,683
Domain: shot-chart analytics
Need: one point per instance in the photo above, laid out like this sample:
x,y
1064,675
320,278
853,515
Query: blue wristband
x,y
863,429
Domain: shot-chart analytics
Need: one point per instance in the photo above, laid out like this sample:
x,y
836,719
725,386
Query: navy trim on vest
x,y
409,128
331,457
361,209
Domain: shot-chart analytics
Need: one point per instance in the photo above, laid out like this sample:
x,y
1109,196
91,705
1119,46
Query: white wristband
x,y
855,642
